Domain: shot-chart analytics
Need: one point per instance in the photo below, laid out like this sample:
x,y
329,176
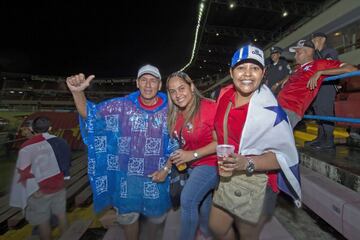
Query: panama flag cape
x,y
36,163
267,129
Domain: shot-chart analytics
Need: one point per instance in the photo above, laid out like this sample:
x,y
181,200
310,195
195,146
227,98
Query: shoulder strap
x,y
225,123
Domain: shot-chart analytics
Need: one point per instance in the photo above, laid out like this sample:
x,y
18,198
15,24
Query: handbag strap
x,y
225,123
180,136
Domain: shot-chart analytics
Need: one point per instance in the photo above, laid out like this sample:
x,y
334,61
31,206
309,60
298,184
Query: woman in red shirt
x,y
191,120
248,197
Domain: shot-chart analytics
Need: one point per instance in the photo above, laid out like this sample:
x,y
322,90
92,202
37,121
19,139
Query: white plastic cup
x,y
224,150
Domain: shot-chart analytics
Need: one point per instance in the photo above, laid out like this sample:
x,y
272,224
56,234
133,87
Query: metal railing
x,y
331,118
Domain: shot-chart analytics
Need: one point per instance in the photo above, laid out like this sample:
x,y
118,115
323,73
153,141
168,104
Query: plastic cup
x,y
224,150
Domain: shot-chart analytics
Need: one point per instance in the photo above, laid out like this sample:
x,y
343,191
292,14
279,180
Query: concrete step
x,y
351,217
340,165
272,230
333,202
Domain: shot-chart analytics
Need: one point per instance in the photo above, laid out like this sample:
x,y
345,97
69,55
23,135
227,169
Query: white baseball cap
x,y
149,69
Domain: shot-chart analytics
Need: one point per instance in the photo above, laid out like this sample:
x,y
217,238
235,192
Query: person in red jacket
x,y
302,86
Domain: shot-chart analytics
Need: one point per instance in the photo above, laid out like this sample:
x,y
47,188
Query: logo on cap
x,y
257,52
301,44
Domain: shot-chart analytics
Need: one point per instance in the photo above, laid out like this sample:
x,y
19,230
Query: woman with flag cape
x,y
265,159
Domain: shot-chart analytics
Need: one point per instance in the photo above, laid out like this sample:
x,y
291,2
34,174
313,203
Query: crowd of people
x,y
134,142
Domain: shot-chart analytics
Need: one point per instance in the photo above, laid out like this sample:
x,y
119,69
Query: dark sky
x,y
64,37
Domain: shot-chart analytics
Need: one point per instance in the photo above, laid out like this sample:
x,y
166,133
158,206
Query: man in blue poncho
x,y
128,149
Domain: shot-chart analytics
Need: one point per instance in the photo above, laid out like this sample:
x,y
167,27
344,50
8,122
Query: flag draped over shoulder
x,y
36,163
267,129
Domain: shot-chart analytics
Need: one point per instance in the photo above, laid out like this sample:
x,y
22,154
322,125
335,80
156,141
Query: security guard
x,y
324,102
276,70
322,51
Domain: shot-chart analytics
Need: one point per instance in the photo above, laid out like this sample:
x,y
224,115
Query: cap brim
x,y
249,60
149,72
293,49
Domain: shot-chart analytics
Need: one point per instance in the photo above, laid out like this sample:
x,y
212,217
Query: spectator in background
x,y
128,149
302,86
26,130
38,184
324,102
276,70
322,51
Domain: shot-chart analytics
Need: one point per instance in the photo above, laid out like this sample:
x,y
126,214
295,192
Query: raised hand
x,y
78,83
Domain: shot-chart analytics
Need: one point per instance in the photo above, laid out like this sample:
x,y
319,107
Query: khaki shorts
x,y
39,209
130,218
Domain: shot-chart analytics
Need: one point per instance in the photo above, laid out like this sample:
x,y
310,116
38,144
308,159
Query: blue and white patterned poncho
x,y
126,143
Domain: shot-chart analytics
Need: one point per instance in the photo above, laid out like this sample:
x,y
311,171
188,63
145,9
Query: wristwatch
x,y
250,167
196,155
167,169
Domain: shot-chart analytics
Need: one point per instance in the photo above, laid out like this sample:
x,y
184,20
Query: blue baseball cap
x,y
248,53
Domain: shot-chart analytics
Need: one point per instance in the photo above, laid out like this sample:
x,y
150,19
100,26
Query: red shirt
x,y
199,133
295,96
146,107
236,121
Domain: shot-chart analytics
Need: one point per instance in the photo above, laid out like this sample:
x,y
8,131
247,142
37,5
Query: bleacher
x,y
330,180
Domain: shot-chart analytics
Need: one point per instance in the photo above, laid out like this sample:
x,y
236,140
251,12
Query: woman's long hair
x,y
173,109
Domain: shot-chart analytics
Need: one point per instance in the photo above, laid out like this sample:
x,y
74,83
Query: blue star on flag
x,y
280,114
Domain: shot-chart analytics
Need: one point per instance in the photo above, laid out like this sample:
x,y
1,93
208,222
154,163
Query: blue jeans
x,y
196,199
